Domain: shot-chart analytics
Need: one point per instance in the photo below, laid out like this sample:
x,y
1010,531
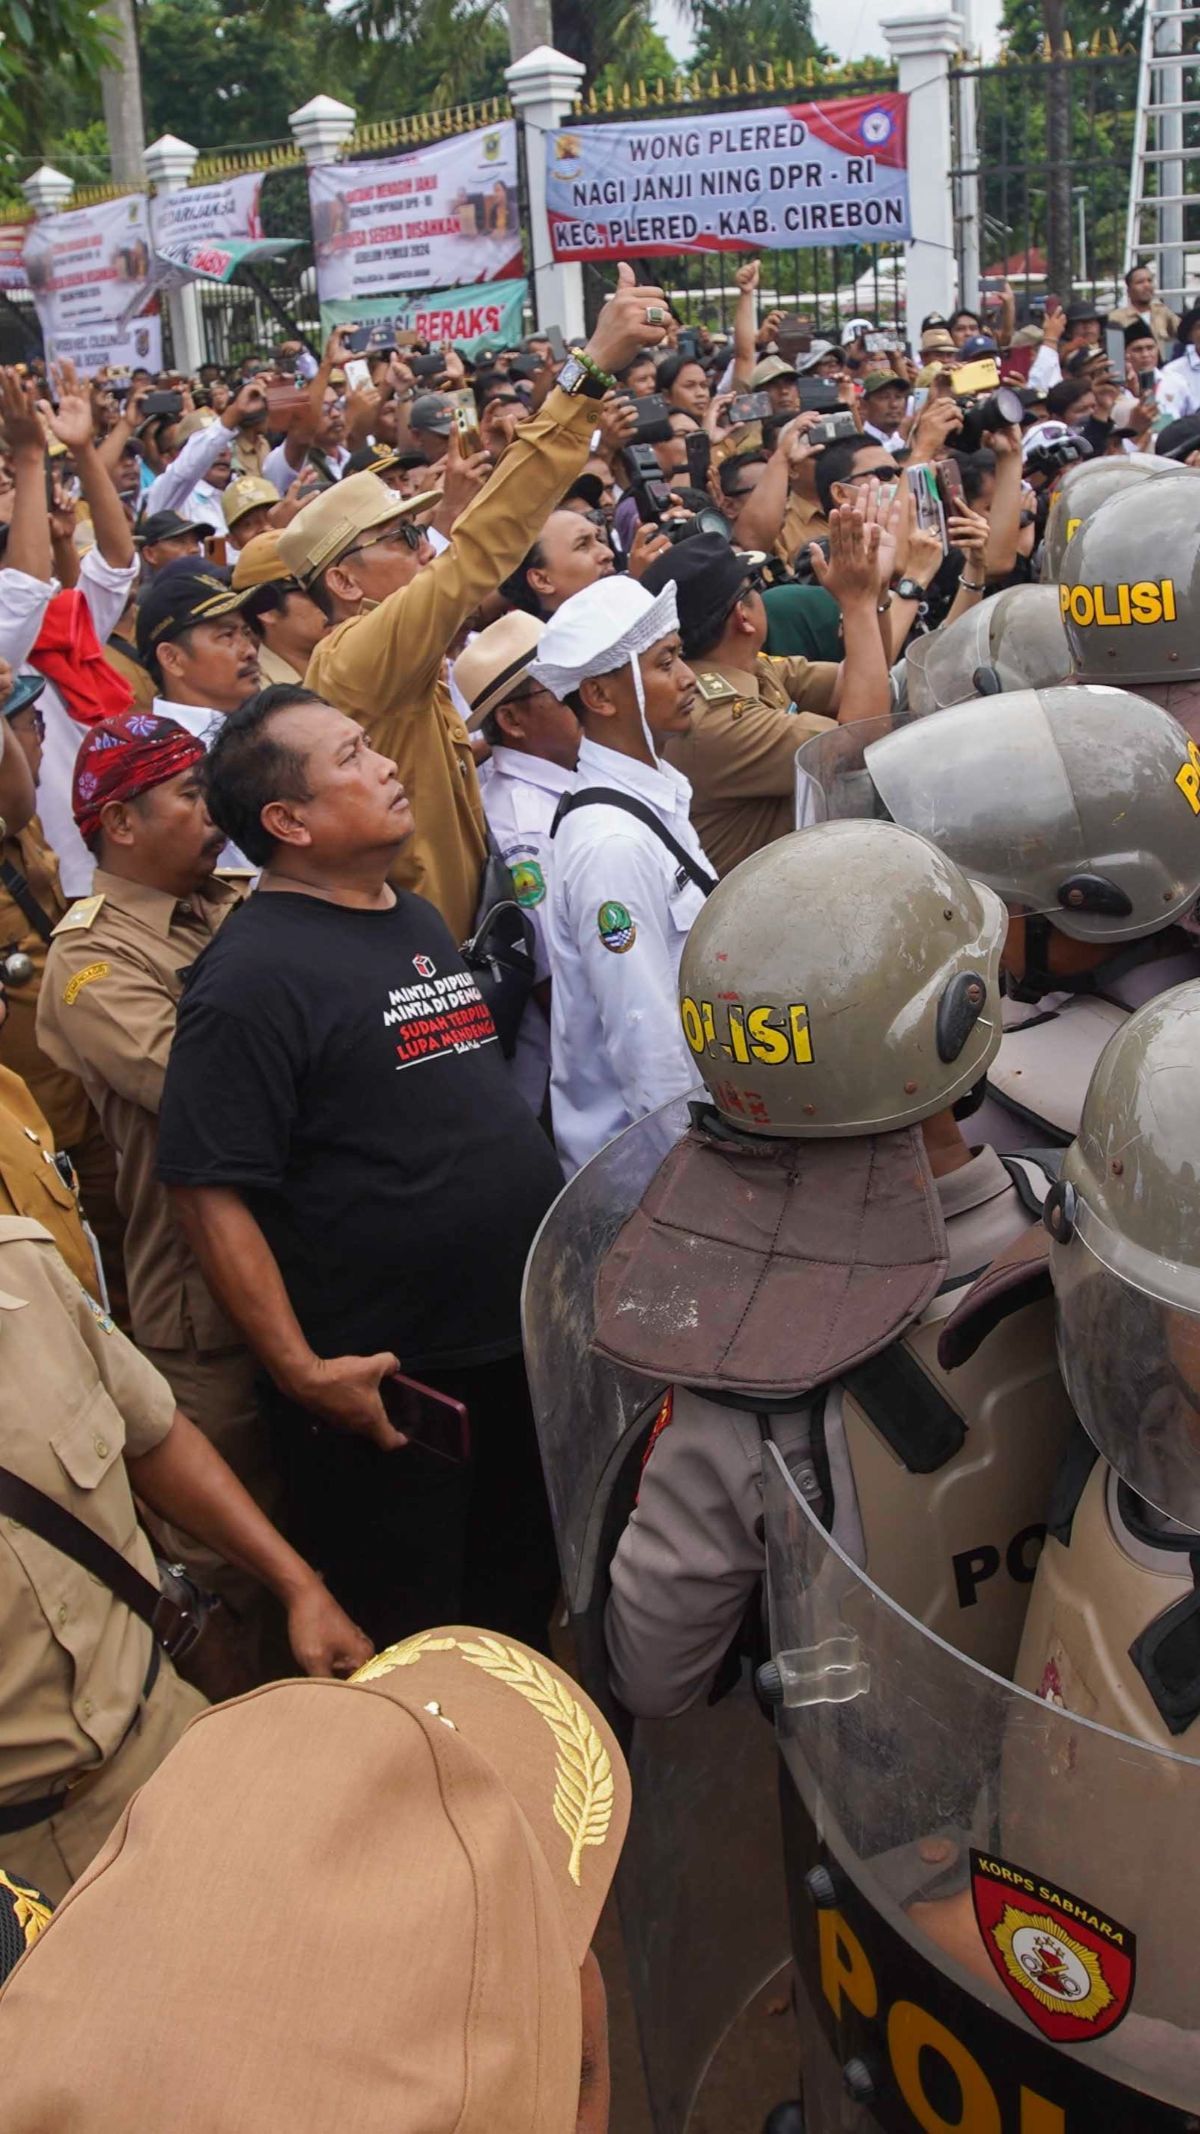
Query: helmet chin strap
x,y
639,691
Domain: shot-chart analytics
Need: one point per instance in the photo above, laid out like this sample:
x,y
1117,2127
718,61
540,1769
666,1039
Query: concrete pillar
x,y
322,127
543,87
169,164
48,191
923,46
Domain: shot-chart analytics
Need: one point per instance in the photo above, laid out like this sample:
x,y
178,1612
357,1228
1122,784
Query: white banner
x,y
446,214
85,269
12,245
201,215
732,181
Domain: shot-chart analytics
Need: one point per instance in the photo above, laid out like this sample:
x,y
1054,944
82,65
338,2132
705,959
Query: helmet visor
x,y
833,783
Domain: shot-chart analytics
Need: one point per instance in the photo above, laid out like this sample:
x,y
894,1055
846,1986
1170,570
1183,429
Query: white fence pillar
x,y
322,127
923,46
543,87
48,190
169,164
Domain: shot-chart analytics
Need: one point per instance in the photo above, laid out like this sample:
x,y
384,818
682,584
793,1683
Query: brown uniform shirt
x,y
108,1012
140,680
273,668
740,752
385,667
59,1095
74,1396
30,1184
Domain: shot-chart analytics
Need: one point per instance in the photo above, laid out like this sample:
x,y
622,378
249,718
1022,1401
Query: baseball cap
x,y
936,341
169,526
491,666
433,412
247,494
179,597
875,380
382,459
335,521
978,344
412,1863
769,372
260,563
26,690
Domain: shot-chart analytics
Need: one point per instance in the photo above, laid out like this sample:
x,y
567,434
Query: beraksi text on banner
x,y
803,174
444,215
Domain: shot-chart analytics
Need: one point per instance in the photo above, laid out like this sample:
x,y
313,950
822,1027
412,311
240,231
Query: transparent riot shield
x,y
1014,641
993,1900
700,1887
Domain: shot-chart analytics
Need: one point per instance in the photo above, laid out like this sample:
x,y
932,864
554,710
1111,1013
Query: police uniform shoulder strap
x,y
83,913
713,687
603,796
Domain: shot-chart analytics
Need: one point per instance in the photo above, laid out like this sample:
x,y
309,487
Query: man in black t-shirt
x,y
361,1182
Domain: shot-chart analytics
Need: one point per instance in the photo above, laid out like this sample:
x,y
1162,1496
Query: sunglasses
x,y
402,535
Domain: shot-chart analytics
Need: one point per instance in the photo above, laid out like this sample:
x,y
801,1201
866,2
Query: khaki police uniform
x,y
123,662
113,981
739,755
31,1183
385,667
85,1714
688,1562
59,1094
274,669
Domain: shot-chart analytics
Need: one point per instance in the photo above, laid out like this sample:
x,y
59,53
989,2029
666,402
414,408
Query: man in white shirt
x,y
318,437
534,742
629,872
885,398
193,637
184,484
1179,385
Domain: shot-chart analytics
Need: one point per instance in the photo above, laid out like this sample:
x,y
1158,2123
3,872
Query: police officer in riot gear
x,y
1129,592
1015,640
1080,807
834,1055
1078,495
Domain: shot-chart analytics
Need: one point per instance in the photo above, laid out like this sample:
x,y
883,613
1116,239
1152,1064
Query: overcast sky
x,y
849,27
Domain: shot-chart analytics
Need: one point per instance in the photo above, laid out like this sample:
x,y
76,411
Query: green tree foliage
x,y
742,33
51,56
219,73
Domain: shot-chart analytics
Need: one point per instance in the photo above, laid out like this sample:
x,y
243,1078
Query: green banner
x,y
485,315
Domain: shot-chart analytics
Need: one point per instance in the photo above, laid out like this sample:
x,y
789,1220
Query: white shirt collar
x,y
204,724
663,786
531,770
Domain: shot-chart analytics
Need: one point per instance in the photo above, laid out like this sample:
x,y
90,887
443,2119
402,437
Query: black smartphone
x,y
558,347
356,340
1147,380
833,429
653,420
818,396
699,458
428,1419
426,366
747,407
169,404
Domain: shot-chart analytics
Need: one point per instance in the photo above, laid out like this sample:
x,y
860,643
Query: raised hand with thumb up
x,y
634,317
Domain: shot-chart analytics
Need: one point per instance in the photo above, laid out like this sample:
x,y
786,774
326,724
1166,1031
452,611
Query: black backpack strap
x,y
53,1523
23,897
604,796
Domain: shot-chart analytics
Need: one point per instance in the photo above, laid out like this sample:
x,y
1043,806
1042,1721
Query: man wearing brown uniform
x,y
753,712
395,618
107,1014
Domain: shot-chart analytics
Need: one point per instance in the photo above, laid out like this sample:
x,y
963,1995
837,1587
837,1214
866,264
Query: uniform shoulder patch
x,y
101,1317
83,913
616,927
713,687
74,986
528,881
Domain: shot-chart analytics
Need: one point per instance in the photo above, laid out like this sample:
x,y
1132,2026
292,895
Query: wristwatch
x,y
578,378
908,589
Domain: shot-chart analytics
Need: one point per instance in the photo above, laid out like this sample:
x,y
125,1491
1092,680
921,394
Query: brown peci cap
x,y
260,563
336,521
496,662
354,1902
247,494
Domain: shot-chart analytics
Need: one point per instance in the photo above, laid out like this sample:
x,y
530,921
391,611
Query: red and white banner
x,y
738,181
89,270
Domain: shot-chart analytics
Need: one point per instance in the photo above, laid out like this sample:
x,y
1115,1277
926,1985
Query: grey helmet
x,y
1079,804
842,981
1079,493
1124,1223
1130,586
1014,641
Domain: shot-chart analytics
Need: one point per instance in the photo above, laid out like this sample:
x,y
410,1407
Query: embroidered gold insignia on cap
x,y
29,1907
583,1779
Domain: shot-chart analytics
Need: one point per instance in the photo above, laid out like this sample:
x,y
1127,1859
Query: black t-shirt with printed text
x,y
340,1070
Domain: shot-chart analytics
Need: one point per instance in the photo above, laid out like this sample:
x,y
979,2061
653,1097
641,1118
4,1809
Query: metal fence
x,y
1020,180
824,284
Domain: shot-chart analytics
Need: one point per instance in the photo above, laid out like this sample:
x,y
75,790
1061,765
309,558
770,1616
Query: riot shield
x,y
700,1886
993,1899
1016,640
